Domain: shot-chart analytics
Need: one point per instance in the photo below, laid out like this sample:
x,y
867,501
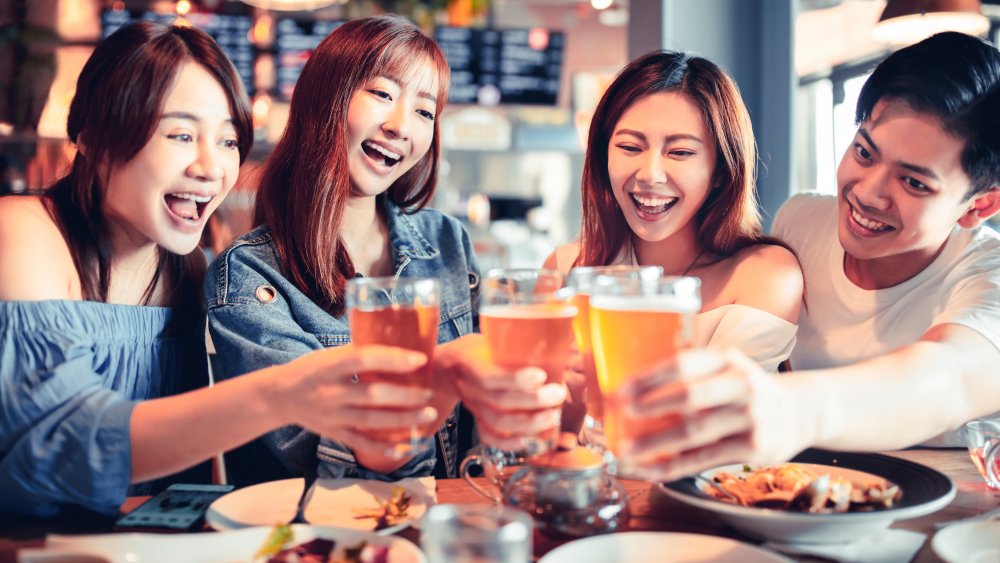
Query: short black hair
x,y
956,78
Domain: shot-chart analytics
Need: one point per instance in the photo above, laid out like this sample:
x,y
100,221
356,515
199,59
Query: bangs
x,y
417,60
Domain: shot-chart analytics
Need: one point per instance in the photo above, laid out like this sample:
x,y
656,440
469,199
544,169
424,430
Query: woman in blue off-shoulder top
x,y
101,323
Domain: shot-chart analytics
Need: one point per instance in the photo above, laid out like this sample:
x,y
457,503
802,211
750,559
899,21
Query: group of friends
x,y
884,299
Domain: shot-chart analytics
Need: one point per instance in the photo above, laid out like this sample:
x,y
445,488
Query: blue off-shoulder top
x,y
70,374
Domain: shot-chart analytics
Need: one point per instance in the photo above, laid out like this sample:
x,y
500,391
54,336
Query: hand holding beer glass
x,y
526,317
582,280
402,312
635,324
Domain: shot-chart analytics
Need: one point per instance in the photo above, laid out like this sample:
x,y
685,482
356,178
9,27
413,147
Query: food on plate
x,y
388,512
318,550
797,488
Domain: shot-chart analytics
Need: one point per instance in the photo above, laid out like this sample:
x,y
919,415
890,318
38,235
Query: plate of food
x,y
818,497
251,545
653,547
361,504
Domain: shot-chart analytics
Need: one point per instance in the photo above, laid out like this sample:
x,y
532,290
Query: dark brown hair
x,y
728,220
306,183
117,106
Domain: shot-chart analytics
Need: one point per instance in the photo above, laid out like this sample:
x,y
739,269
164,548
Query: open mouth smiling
x,y
867,223
187,206
381,154
652,205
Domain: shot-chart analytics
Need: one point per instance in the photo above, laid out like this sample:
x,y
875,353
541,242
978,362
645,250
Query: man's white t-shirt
x,y
842,323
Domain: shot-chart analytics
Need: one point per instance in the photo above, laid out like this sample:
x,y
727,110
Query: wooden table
x,y
650,510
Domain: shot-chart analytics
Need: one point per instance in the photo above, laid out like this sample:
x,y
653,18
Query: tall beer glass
x,y
527,319
581,280
401,312
636,323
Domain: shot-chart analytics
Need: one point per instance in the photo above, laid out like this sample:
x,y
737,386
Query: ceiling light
x,y
292,5
905,22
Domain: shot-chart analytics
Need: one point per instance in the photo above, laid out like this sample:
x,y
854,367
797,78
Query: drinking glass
x,y
527,319
635,323
581,280
982,436
476,534
401,312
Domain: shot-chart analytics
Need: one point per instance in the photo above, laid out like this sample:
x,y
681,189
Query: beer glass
x,y
581,280
401,312
636,323
527,319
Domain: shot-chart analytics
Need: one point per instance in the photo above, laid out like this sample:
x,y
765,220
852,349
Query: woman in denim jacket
x,y
342,196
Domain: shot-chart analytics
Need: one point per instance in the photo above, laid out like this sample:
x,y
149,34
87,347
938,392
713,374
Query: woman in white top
x,y
669,181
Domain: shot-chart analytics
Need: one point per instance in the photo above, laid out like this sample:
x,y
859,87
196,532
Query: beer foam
x,y
528,311
650,303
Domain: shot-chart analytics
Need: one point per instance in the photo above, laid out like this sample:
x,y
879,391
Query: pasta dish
x,y
801,489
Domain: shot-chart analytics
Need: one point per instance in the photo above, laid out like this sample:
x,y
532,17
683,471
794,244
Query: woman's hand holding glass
x,y
705,408
512,406
322,393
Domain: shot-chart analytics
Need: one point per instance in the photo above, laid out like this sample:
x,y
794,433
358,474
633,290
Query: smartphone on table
x,y
178,508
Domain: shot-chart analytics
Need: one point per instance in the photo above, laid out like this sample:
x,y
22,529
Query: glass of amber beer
x,y
636,323
527,319
401,312
581,280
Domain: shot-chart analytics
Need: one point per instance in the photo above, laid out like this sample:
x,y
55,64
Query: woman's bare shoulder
x,y
35,262
768,277
562,257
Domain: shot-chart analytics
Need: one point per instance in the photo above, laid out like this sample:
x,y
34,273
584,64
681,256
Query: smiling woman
x,y
101,326
341,197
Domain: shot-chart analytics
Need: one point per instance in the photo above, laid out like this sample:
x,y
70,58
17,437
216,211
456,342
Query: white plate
x,y
232,546
924,491
267,504
656,547
972,542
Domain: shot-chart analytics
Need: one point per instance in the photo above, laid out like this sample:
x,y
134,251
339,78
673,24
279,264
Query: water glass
x,y
982,436
402,312
476,534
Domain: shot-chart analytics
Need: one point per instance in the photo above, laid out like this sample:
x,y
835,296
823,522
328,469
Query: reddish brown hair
x,y
306,183
729,219
114,113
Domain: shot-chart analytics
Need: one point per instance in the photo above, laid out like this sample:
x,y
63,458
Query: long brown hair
x,y
114,113
728,220
306,183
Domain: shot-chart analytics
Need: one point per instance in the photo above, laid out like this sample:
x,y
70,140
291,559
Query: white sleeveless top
x,y
765,338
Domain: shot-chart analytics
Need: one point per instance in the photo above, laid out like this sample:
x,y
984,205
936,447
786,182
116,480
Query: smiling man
x,y
900,337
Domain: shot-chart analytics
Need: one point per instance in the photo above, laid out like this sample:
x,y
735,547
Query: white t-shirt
x,y
842,323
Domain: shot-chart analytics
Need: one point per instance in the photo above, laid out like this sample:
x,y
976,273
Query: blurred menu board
x,y
231,32
295,40
502,66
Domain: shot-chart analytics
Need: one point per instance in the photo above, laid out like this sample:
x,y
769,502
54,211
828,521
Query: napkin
x,y
426,485
888,546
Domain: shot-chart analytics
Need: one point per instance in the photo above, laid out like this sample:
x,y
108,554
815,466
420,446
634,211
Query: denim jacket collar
x,y
406,239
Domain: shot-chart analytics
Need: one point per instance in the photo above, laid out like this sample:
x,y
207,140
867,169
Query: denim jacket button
x,y
450,424
266,293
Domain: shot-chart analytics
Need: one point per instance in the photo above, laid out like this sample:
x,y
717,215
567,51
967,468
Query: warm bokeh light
x,y
601,4
183,7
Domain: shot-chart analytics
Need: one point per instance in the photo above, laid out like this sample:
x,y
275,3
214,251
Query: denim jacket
x,y
258,318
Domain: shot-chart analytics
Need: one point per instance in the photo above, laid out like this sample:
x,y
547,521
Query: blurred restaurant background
x,y
526,75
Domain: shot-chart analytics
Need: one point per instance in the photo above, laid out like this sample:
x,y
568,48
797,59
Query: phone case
x,y
180,507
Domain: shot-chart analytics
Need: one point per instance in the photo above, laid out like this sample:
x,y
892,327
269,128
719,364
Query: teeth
x,y
653,201
868,223
385,152
193,197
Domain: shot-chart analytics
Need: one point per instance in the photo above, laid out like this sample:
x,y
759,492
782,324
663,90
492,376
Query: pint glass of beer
x,y
581,280
636,323
401,312
527,319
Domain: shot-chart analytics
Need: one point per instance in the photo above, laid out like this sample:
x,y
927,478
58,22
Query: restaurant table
x,y
650,510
